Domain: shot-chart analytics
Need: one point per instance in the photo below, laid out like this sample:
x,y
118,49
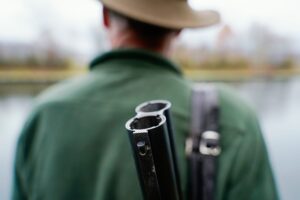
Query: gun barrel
x,y
150,143
163,107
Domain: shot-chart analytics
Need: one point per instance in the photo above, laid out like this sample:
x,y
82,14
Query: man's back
x,y
75,146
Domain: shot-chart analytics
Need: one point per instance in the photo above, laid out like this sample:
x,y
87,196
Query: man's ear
x,y
106,17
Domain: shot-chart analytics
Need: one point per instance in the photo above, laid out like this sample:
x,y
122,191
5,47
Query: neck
x,y
129,40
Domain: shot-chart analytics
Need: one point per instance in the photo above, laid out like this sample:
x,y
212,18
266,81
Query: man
x,y
74,144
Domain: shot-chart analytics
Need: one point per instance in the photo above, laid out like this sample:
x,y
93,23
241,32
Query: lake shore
x,y
32,76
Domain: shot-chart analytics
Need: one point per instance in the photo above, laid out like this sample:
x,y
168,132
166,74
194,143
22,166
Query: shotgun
x,y
152,142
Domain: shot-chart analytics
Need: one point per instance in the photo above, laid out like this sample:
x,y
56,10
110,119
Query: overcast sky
x,y
22,20
282,15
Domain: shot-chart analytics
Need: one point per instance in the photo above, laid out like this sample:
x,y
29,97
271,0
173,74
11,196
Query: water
x,y
277,104
13,110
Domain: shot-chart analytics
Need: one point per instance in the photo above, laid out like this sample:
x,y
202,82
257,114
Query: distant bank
x,y
49,76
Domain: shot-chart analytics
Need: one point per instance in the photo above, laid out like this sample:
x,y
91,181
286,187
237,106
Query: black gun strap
x,y
202,146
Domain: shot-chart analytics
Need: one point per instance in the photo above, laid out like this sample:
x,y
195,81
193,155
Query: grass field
x,y
240,74
45,75
38,75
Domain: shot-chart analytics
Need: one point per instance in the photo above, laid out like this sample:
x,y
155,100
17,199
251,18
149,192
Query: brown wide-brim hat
x,y
174,14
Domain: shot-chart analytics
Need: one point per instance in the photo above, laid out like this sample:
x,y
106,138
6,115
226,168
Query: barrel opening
x,y
145,122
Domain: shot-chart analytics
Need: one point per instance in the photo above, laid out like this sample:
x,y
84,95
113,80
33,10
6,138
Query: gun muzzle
x,y
150,139
163,107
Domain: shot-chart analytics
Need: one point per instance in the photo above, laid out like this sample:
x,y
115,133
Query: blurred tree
x,y
266,48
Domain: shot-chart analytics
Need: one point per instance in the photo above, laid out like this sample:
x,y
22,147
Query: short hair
x,y
147,32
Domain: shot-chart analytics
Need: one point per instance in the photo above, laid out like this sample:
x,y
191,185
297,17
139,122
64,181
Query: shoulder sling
x,y
202,145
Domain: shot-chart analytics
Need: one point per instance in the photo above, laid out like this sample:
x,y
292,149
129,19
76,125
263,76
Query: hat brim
x,y
168,14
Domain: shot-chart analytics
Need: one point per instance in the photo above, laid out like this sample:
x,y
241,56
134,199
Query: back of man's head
x,y
127,32
151,24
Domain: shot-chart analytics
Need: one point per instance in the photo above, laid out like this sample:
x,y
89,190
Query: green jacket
x,y
74,144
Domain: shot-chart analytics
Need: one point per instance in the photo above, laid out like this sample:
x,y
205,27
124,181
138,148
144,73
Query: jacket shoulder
x,y
71,90
236,112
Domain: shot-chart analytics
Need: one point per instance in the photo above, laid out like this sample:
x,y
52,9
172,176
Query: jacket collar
x,y
135,54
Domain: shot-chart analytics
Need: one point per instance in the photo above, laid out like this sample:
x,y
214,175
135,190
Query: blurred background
x,y
255,49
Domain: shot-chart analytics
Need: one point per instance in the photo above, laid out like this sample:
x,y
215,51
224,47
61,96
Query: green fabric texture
x,y
74,145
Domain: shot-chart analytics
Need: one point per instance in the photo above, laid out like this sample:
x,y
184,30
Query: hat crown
x,y
175,14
